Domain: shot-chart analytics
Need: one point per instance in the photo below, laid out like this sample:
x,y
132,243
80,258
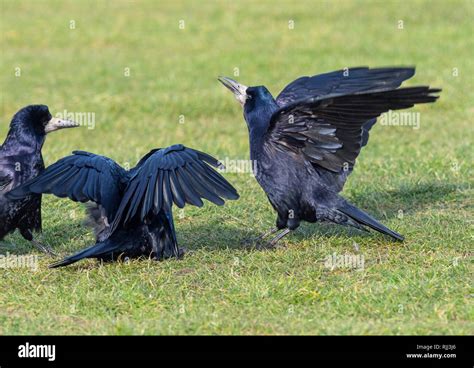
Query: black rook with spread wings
x,y
306,141
134,213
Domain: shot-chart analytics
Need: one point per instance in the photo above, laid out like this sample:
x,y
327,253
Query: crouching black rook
x,y
134,208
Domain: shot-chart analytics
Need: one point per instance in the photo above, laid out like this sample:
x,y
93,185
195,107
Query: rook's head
x,y
239,90
38,120
257,102
247,96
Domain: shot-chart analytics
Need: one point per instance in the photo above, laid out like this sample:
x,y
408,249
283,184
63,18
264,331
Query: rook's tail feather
x,y
93,251
367,220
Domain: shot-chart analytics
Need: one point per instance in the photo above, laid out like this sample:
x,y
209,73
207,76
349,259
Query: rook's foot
x,y
182,252
272,243
258,238
44,248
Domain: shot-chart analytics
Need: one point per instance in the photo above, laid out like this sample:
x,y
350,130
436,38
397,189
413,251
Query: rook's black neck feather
x,y
258,110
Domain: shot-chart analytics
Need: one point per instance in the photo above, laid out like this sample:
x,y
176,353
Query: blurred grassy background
x,y
416,181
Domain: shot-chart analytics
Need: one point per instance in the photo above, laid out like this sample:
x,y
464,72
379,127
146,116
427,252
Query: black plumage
x,y
20,161
134,213
305,142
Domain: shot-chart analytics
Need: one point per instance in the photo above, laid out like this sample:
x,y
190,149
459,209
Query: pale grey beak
x,y
57,123
239,90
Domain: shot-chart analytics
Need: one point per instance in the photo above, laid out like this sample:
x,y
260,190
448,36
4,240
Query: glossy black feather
x,y
343,117
81,177
156,185
345,81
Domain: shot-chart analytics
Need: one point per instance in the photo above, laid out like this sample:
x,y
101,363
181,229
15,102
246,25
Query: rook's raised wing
x,y
176,174
327,130
344,81
82,177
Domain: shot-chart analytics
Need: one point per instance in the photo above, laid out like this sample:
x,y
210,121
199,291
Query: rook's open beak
x,y
56,124
239,90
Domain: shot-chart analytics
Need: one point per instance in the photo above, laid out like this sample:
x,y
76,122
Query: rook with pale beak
x,y
20,161
306,140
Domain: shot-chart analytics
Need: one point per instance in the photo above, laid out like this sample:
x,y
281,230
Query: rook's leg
x,y
260,237
28,235
277,238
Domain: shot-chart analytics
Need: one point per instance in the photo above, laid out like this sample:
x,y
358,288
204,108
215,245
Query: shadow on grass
x,y
382,205
408,198
386,205
51,236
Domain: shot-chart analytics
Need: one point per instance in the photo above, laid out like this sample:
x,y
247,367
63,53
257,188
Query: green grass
x,y
417,182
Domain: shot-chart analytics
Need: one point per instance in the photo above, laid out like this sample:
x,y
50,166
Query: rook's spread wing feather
x,y
176,174
344,81
82,177
328,131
